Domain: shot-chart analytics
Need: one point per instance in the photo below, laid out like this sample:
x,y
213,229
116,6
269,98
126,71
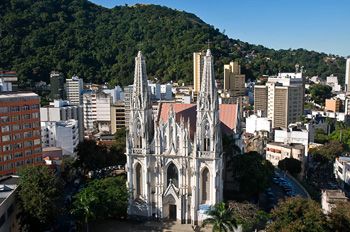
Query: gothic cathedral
x,y
174,167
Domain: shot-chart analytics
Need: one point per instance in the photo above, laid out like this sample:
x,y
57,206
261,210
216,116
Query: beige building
x,y
282,98
330,198
234,81
260,100
197,71
347,76
278,151
117,116
333,105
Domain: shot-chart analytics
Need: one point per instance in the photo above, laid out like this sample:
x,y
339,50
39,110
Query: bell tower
x,y
139,141
207,166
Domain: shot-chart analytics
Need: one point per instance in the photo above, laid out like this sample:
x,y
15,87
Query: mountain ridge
x,y
99,44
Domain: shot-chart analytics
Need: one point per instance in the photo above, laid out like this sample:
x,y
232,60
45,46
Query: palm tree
x,y
221,218
83,205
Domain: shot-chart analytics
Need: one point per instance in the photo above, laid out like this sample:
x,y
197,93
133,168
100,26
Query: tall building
x,y
20,141
74,88
197,71
127,98
234,81
63,134
60,110
260,100
8,81
284,96
117,116
56,85
174,168
89,108
347,76
97,111
103,112
116,93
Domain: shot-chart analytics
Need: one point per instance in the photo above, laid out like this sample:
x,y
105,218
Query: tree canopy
x,y
40,191
221,218
293,166
297,215
327,152
339,218
252,173
101,199
319,93
99,44
92,156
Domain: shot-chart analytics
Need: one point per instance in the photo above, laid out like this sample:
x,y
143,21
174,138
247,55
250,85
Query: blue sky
x,y
320,25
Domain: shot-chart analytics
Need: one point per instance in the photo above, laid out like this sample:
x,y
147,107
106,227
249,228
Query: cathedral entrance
x,y
172,212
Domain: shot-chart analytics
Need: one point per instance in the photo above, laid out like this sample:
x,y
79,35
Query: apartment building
x,y
281,99
20,141
57,85
74,88
60,110
117,116
234,81
276,152
63,134
198,63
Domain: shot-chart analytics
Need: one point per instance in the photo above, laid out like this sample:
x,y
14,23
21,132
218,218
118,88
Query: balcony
x,y
137,151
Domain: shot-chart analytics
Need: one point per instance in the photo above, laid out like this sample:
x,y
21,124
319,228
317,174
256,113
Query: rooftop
x,y
7,95
335,194
289,145
227,113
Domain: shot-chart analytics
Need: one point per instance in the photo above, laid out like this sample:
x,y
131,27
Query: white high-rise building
x,y
74,89
63,134
60,110
117,93
97,111
347,75
174,166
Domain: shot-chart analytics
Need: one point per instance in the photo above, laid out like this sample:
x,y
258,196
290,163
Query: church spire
x,y
141,94
208,95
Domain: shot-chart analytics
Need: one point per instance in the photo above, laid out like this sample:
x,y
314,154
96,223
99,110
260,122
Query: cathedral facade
x,y
174,164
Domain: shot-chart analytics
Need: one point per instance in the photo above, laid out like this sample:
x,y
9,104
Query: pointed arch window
x,y
206,136
138,139
172,175
205,182
138,182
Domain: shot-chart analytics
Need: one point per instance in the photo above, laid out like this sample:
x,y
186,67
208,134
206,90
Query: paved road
x,y
294,184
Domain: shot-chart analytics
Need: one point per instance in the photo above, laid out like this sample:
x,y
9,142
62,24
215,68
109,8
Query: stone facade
x,y
174,172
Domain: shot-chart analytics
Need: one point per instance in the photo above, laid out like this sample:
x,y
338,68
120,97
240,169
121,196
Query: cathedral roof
x,y
227,112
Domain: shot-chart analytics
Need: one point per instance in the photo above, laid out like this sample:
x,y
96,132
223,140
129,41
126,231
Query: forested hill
x,y
99,44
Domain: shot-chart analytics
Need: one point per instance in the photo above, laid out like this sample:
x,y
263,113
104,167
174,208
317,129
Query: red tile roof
x,y
227,113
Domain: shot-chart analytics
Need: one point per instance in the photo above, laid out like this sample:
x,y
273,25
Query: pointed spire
x,y
141,95
208,95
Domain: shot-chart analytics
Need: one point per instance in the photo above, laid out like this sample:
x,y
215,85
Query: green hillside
x,y
99,44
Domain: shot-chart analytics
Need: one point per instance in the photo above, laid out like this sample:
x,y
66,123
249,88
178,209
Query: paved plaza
x,y
150,226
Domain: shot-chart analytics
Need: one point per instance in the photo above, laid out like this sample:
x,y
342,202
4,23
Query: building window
x,y
4,118
4,109
5,128
172,175
6,138
205,190
138,180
